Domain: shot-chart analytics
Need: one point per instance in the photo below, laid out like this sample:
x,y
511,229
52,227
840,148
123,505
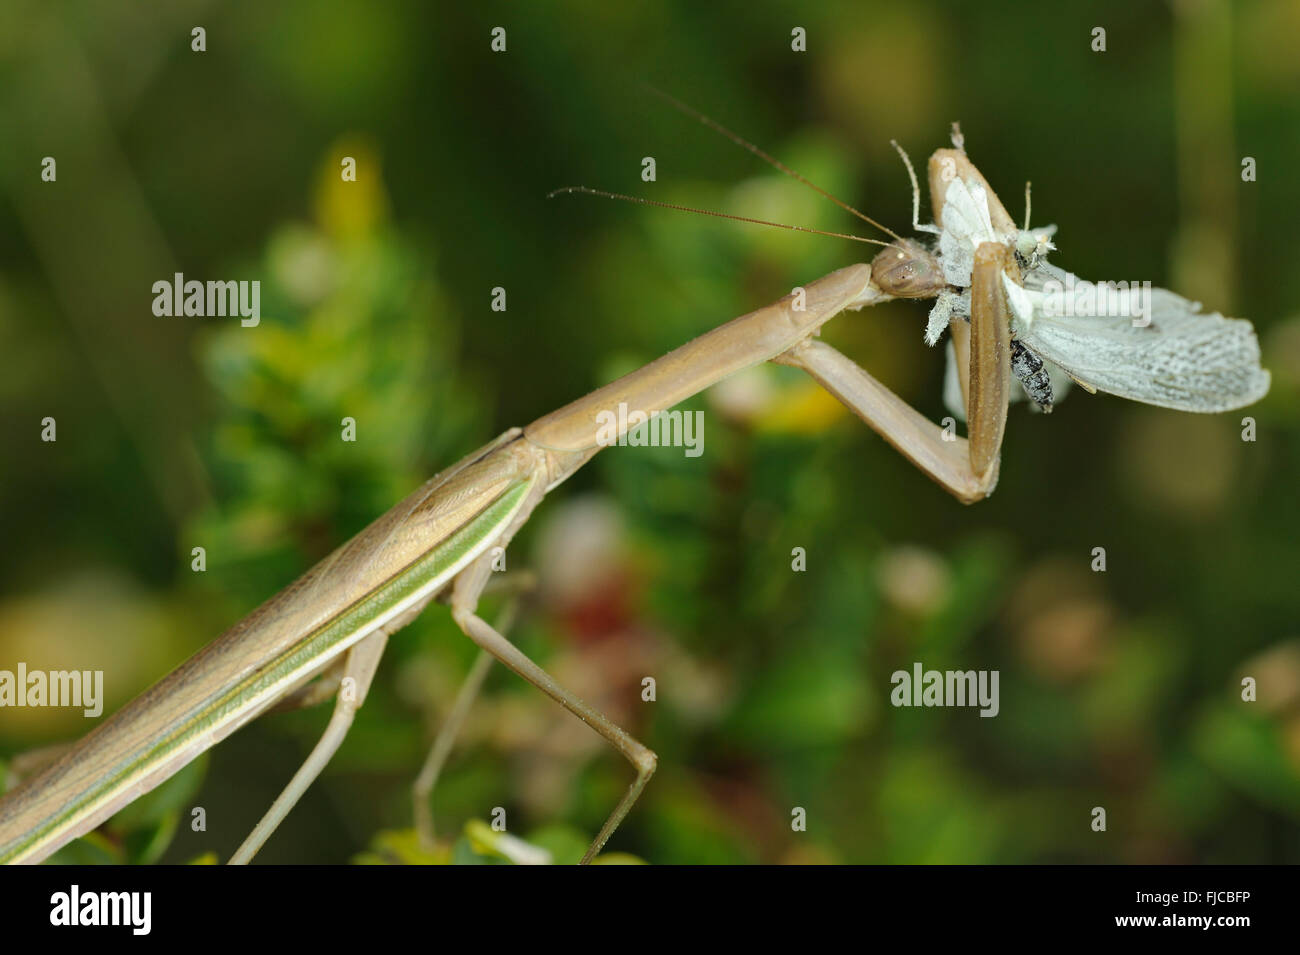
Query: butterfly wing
x,y
966,224
1184,358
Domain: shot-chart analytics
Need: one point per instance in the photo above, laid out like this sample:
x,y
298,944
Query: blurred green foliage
x,y
1119,689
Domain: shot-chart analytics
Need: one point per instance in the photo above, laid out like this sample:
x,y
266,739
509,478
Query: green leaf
x,y
566,844
400,847
146,844
1246,750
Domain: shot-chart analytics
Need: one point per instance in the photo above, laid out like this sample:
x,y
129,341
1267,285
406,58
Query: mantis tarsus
x,y
439,543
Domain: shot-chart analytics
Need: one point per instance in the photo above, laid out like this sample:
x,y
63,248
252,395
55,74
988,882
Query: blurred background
x,y
1119,689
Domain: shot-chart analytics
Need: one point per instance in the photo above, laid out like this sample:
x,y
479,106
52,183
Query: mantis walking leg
x,y
464,601
362,662
323,688
422,788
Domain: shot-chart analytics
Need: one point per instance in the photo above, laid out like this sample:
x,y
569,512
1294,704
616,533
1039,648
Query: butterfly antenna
x,y
916,192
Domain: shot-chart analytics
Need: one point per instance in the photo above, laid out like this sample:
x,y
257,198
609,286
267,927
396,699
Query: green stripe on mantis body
x,y
200,729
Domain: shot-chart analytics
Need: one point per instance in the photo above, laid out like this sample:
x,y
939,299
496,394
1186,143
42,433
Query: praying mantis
x,y
326,632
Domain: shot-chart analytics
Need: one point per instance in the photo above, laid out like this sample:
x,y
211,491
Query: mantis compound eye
x,y
908,269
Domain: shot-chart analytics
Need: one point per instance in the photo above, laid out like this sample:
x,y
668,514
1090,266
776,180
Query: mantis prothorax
x,y
438,543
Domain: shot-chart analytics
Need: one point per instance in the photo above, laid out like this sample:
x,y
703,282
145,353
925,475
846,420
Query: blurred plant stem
x,y
105,299
1203,263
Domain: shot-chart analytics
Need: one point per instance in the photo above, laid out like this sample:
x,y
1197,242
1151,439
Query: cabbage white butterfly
x,y
1149,345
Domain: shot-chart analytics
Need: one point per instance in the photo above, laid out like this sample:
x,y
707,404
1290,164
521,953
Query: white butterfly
x,y
1146,344
1179,357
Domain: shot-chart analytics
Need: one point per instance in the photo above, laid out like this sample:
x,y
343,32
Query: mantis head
x,y
907,269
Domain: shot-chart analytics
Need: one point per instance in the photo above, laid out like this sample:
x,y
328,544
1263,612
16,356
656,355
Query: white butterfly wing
x,y
966,224
1184,359
952,398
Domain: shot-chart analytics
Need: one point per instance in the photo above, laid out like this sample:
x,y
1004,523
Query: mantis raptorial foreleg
x,y
990,360
361,663
966,468
946,459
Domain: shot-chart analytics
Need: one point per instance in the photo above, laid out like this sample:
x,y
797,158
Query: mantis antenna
x,y
709,212
770,160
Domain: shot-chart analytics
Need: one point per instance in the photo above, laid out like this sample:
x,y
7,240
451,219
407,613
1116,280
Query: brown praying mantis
x,y
325,633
